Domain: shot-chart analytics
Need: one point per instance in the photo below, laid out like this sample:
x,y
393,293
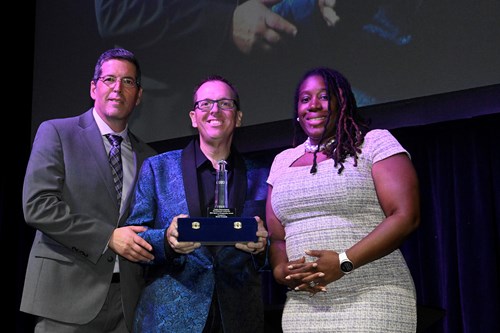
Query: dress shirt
x,y
206,174
128,163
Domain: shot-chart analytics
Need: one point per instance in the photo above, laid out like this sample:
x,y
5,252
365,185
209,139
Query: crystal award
x,y
221,227
221,205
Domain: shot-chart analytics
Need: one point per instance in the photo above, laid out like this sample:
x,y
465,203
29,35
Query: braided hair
x,y
350,127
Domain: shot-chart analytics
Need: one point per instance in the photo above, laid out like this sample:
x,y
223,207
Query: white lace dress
x,y
331,211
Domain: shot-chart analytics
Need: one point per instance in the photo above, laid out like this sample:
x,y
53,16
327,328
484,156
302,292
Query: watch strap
x,y
346,265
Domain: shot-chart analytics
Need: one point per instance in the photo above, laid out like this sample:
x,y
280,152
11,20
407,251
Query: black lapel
x,y
190,180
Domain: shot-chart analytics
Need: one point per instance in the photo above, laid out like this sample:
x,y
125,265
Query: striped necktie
x,y
115,161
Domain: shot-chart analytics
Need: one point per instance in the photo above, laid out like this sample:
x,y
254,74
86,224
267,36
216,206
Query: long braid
x,y
350,128
314,167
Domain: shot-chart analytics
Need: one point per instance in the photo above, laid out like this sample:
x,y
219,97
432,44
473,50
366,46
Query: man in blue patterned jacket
x,y
190,287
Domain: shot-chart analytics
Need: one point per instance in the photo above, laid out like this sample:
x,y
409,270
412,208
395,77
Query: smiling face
x,y
115,103
217,125
312,109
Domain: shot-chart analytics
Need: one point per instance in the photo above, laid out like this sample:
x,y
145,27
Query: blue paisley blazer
x,y
179,288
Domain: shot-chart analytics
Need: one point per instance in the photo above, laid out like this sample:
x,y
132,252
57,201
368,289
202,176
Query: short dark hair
x,y
117,53
221,79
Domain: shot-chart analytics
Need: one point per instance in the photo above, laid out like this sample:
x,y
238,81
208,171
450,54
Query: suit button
x,y
110,259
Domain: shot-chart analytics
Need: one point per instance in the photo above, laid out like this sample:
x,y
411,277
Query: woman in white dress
x,y
339,206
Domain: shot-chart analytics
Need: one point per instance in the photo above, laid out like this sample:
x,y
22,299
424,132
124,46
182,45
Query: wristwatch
x,y
346,265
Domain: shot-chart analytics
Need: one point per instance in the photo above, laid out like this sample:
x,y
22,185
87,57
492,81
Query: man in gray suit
x,y
82,274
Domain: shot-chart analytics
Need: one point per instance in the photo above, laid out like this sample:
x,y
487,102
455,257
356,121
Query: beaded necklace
x,y
309,148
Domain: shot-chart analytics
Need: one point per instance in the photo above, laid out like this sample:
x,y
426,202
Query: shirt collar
x,y
201,159
105,129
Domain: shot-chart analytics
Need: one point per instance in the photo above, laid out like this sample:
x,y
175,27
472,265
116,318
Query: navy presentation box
x,y
217,231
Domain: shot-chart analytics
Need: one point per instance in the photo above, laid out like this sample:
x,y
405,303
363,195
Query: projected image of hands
x,y
390,49
251,25
261,44
259,24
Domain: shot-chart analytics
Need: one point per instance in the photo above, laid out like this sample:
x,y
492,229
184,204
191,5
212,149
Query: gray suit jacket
x,y
69,197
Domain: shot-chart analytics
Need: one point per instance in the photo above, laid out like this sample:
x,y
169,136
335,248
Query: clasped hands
x,y
311,276
172,235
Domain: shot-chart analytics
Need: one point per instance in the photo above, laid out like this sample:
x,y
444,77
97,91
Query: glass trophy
x,y
221,206
222,226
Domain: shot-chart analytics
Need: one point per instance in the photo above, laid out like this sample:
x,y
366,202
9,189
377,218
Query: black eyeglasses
x,y
110,81
223,104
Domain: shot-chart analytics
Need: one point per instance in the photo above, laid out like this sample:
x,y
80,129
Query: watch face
x,y
346,266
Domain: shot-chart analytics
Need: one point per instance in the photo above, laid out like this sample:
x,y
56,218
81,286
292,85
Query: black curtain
x,y
455,254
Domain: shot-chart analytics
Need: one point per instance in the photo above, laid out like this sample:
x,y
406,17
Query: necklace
x,y
309,148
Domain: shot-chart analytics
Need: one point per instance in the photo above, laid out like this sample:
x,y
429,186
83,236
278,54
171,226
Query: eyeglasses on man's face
x,y
110,81
223,104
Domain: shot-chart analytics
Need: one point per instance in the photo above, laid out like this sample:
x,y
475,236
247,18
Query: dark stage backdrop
x,y
390,50
441,101
454,256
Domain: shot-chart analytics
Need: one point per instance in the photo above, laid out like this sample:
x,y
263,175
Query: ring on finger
x,y
313,284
